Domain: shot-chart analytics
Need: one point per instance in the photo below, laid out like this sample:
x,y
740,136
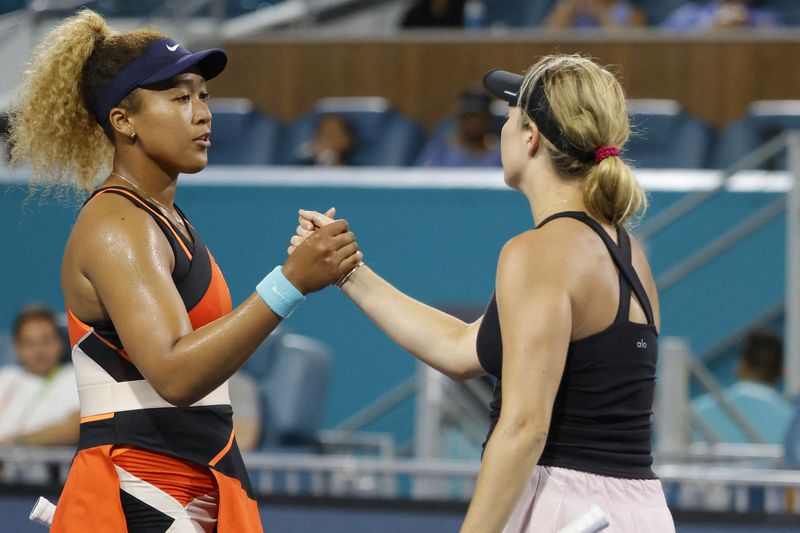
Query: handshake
x,y
323,252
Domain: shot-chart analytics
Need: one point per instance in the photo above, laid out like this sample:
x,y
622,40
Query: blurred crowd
x,y
699,15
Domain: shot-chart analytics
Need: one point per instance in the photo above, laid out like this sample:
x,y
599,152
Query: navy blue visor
x,y
506,86
160,61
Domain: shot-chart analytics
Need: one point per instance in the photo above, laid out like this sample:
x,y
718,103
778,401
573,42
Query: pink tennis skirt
x,y
555,496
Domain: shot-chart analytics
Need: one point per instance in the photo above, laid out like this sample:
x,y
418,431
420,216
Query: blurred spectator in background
x,y
718,14
246,404
589,14
5,149
434,14
333,143
38,399
755,395
472,143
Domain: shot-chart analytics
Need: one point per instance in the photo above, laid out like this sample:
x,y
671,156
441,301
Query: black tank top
x,y
601,415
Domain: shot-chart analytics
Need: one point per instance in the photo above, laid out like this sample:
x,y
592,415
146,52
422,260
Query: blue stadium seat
x,y
515,13
764,120
384,137
293,392
150,8
664,136
240,135
7,6
657,11
259,364
789,10
234,8
124,8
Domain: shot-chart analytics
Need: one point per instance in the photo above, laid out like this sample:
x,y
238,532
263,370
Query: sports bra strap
x,y
624,309
622,255
176,239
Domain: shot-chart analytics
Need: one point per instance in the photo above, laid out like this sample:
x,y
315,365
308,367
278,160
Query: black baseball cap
x,y
160,61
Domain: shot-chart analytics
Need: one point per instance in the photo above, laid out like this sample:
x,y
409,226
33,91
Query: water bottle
x,y
474,14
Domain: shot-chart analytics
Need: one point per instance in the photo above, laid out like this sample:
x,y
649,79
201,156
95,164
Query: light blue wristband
x,y
279,293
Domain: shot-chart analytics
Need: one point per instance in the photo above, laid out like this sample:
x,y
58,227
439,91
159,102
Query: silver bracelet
x,y
346,277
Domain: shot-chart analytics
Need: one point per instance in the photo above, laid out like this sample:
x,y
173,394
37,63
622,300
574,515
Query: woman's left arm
x,y
535,319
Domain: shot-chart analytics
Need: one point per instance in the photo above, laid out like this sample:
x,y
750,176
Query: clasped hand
x,y
323,251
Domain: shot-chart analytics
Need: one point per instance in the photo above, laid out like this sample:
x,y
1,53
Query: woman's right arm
x,y
128,264
436,338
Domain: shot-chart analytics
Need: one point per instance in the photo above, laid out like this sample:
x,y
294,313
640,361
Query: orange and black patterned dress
x,y
143,464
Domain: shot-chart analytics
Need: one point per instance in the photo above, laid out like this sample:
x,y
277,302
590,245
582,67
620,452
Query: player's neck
x,y
551,194
152,180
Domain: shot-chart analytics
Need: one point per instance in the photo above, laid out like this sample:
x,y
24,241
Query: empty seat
x,y
664,136
234,8
788,10
240,135
384,137
294,391
763,121
124,8
259,364
7,6
657,11
514,13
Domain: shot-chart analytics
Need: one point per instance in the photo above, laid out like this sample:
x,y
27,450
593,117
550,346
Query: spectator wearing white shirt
x,y
39,397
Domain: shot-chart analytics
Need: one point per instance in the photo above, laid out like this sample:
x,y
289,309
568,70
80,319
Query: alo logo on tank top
x,y
641,344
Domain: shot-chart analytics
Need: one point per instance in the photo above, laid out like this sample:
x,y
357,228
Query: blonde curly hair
x,y
52,126
589,105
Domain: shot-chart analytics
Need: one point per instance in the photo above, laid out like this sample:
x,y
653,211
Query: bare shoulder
x,y
538,255
553,243
110,227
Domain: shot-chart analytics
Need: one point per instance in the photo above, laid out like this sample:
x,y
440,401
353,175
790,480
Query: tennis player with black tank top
x,y
571,333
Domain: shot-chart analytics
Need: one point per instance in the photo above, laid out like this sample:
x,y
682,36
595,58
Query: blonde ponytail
x,y
611,192
52,127
588,104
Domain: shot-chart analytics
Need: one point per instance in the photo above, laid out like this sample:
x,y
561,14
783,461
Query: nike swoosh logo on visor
x,y
172,48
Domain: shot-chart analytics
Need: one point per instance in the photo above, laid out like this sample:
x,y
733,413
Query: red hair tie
x,y
603,152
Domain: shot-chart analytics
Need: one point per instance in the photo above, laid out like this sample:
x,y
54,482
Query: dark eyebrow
x,y
175,84
187,82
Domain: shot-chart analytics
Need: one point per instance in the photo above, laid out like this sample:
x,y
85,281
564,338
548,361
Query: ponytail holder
x,y
603,152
